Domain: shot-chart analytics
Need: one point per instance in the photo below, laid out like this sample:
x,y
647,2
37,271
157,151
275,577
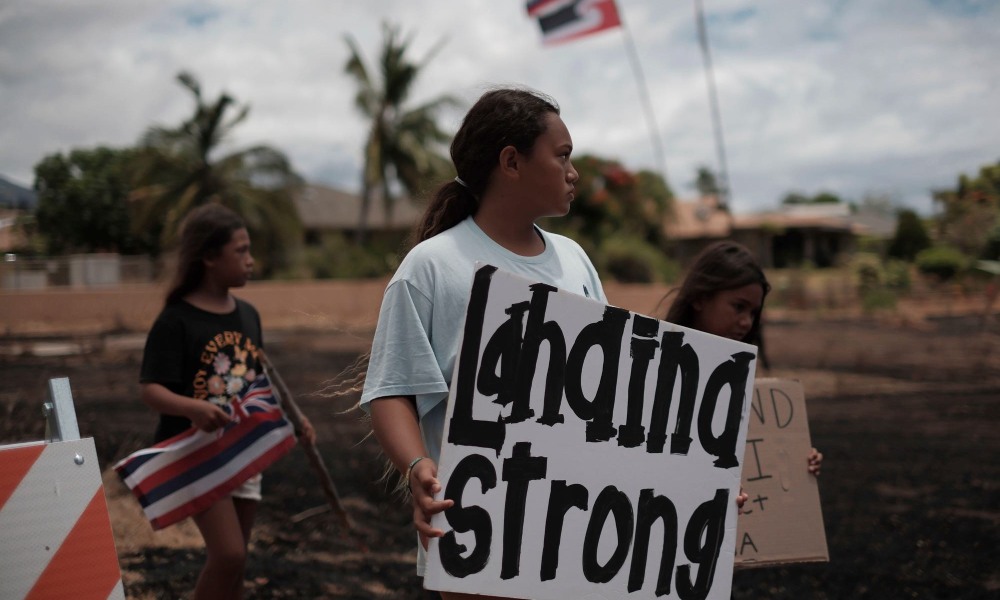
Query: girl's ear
x,y
208,259
508,161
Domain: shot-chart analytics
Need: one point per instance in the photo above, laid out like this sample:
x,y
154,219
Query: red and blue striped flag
x,y
564,20
187,473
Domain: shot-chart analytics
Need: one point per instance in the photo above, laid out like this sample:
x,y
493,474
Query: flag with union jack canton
x,y
187,473
564,20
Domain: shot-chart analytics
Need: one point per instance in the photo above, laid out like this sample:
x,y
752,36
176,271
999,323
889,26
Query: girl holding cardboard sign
x,y
723,294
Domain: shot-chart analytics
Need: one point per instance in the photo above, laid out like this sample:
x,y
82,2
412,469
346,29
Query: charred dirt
x,y
906,417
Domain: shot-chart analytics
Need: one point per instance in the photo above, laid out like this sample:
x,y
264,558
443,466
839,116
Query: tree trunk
x,y
361,234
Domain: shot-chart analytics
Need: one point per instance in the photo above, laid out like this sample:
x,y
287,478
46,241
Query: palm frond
x,y
174,172
403,144
366,98
190,82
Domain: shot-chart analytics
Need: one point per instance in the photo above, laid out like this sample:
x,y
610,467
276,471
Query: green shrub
x,y
867,270
340,258
878,299
872,244
897,275
944,262
632,260
910,238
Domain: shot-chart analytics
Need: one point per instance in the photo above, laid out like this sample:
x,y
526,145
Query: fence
x,y
75,270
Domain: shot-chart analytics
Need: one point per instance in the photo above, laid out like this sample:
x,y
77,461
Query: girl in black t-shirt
x,y
201,351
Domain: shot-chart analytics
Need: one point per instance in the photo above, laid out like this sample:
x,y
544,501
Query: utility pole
x,y
720,146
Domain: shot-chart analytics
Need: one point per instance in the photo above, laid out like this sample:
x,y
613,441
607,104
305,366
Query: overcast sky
x,y
886,97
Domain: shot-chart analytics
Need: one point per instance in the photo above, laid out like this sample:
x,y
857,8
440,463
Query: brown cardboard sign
x,y
782,521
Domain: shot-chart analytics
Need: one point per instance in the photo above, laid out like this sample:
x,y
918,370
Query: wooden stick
x,y
294,414
310,513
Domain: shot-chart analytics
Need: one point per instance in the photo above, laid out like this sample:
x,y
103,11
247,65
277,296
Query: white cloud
x,y
894,96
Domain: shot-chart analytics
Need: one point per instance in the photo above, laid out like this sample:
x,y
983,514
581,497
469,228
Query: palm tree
x,y
176,170
402,143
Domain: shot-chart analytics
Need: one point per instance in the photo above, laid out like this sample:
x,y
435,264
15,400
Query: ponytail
x,y
452,203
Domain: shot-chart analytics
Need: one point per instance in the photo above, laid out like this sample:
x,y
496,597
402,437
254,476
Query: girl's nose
x,y
572,175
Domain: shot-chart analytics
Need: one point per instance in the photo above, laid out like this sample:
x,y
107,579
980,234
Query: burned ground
x,y
906,418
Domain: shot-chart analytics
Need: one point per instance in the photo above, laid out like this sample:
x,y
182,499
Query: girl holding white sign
x,y
723,294
512,156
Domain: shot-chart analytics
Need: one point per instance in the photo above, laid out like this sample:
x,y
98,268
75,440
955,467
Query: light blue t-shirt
x,y
423,313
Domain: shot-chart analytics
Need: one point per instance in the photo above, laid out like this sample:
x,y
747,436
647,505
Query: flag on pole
x,y
187,473
564,20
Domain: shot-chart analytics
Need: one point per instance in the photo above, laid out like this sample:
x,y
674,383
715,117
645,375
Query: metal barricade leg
x,y
54,522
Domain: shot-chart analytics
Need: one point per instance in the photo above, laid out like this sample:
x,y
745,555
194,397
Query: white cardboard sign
x,y
591,452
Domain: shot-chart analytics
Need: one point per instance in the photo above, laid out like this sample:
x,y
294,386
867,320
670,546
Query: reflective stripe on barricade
x,y
55,532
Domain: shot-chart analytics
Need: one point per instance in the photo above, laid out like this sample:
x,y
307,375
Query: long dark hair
x,y
501,117
721,266
205,230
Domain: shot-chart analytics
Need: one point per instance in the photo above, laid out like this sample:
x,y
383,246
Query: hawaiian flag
x,y
185,474
564,20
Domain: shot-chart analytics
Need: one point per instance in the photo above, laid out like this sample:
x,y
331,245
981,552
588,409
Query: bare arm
x,y
205,415
397,428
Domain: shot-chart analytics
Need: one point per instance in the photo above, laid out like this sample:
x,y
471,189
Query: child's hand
x,y
207,416
423,485
741,499
307,434
815,461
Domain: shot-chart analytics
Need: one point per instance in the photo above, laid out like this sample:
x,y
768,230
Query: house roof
x,y
827,217
326,208
798,221
876,223
698,219
702,219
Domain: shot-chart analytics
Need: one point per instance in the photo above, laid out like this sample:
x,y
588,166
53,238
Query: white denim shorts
x,y
250,490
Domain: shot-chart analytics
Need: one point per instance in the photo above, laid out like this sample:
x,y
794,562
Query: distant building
x,y
790,236
15,202
326,210
11,236
694,225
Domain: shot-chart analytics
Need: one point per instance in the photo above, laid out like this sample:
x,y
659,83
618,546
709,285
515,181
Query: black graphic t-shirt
x,y
202,355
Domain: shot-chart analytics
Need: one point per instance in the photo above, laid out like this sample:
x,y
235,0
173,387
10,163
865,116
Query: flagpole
x,y
568,15
720,146
640,79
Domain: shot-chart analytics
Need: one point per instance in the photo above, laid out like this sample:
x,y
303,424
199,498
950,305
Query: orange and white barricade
x,y
56,540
